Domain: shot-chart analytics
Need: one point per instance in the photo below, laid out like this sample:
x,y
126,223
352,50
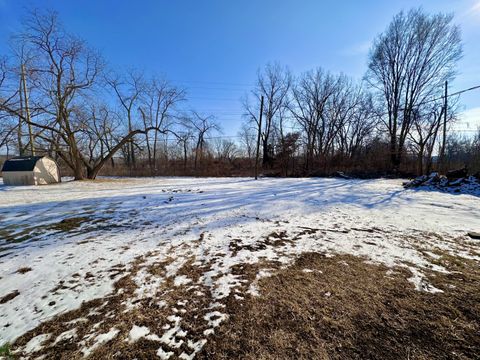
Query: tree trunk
x,y
266,157
78,171
185,157
420,160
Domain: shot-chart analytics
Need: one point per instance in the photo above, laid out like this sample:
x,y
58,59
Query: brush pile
x,y
455,181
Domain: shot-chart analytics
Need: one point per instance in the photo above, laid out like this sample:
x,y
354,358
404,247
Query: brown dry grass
x,y
69,224
100,315
343,309
348,309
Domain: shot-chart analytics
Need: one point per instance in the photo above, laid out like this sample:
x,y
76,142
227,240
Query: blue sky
x,y
214,48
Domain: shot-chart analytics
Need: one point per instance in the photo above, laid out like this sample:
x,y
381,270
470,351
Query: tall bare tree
x,y
200,126
64,68
158,109
247,140
311,94
408,65
128,90
64,77
273,83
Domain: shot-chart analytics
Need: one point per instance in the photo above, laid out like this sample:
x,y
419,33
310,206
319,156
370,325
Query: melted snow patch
x,y
66,335
418,280
164,355
137,332
196,346
36,343
214,318
224,284
174,331
253,290
181,280
101,339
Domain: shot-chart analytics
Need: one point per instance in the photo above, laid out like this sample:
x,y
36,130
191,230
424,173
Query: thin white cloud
x,y
470,13
469,120
357,49
475,9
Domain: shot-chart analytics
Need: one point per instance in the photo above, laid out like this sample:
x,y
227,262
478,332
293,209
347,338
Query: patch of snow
x,y
253,290
181,280
36,343
152,337
224,284
99,340
137,332
66,335
375,219
214,318
164,355
418,280
169,337
196,346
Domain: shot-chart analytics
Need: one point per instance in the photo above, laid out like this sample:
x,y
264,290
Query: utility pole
x,y
258,138
444,140
20,119
27,111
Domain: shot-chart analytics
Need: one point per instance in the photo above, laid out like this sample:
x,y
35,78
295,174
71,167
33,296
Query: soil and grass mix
x,y
344,308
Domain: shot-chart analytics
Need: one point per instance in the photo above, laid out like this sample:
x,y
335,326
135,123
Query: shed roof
x,y
21,163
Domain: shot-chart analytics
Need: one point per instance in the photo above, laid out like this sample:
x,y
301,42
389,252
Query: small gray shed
x,y
30,170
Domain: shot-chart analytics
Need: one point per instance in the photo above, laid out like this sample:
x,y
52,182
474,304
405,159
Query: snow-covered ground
x,y
219,222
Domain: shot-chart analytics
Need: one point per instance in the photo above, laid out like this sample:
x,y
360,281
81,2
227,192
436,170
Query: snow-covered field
x,y
64,244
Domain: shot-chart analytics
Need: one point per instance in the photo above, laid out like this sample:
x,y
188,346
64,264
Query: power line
x,y
459,92
217,88
213,99
450,95
214,83
436,99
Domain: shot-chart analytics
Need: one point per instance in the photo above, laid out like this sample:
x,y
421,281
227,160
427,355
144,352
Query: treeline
x,y
58,97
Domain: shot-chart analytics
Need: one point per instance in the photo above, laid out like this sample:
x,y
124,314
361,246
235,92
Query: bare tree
x,y
8,127
226,150
247,140
409,64
158,110
183,139
311,94
273,83
128,90
360,125
427,122
64,77
64,68
200,126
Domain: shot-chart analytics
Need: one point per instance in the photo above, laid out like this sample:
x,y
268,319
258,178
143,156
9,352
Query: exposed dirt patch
x,y
279,238
70,224
320,308
24,270
275,239
9,296
16,234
